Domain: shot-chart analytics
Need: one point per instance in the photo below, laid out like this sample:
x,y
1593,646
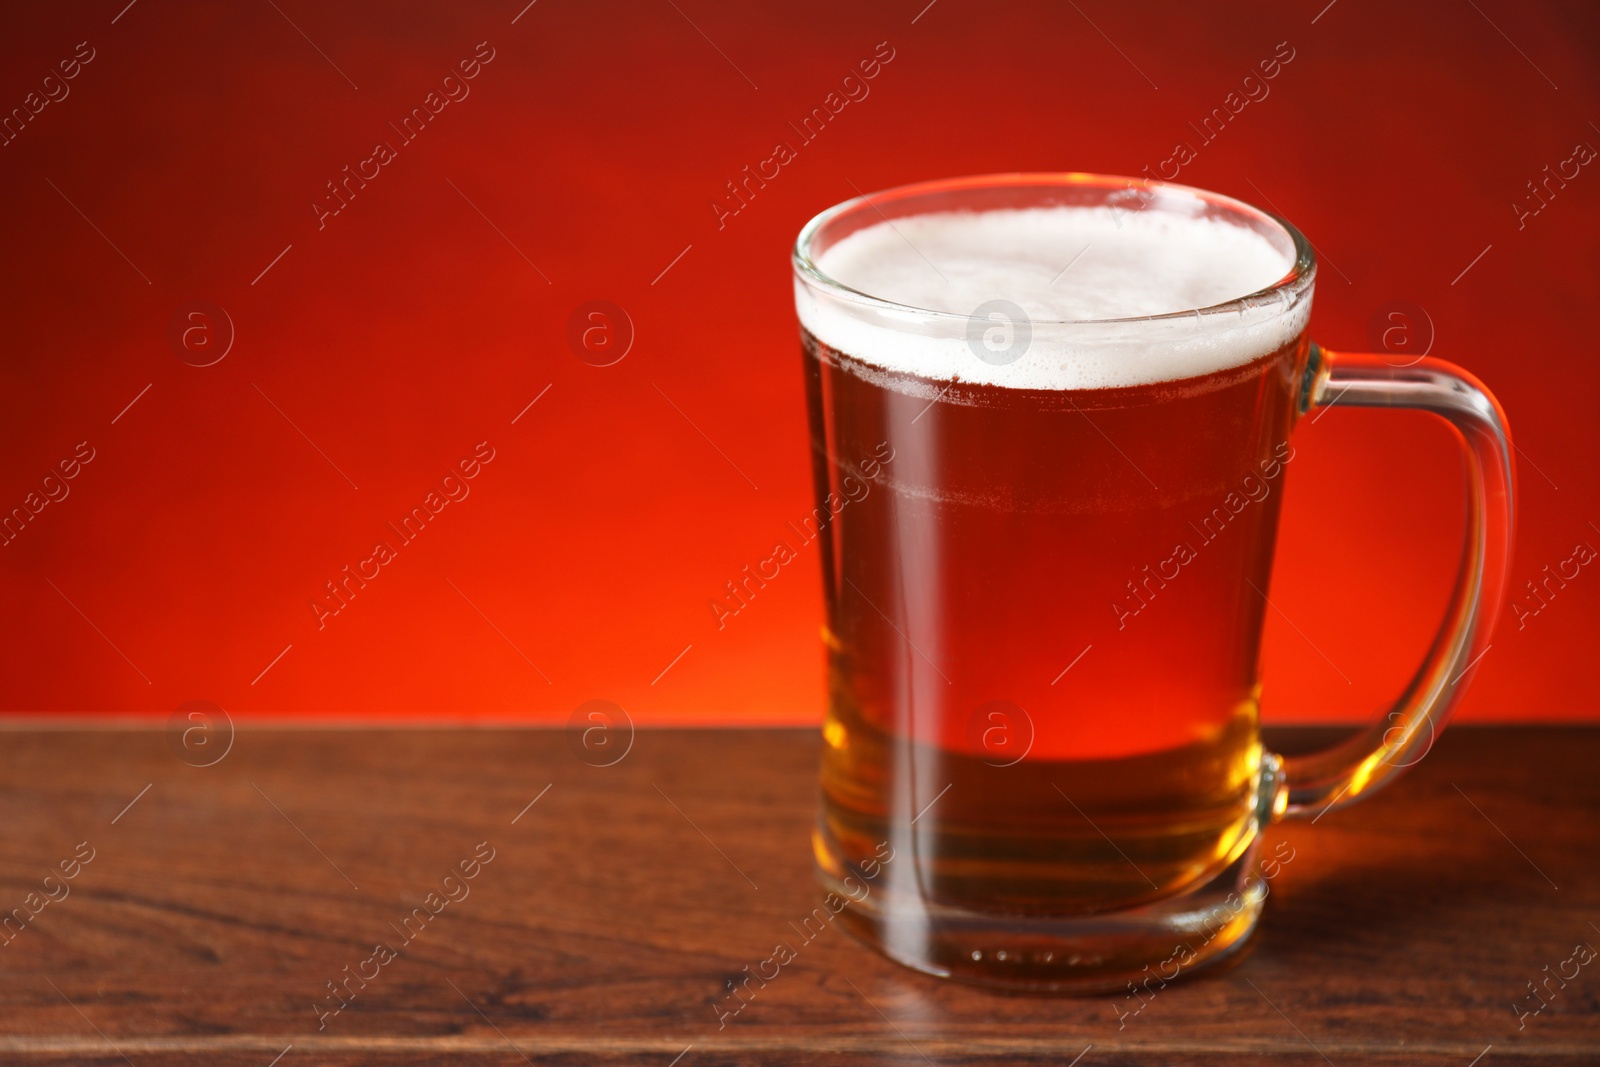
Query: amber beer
x,y
1016,533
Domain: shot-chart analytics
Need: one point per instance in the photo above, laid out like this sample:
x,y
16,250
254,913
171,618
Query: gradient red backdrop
x,y
375,348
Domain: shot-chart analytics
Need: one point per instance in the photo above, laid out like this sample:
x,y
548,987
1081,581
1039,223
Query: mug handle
x,y
1320,781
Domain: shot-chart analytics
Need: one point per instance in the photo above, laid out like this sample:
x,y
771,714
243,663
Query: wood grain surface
x,y
220,901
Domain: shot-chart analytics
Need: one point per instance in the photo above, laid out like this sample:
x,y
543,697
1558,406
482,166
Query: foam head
x,y
1068,269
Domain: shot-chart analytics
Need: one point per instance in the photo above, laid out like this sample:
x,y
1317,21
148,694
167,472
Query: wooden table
x,y
220,901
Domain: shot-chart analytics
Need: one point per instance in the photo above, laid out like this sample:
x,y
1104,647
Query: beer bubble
x,y
200,333
599,332
999,332
1400,332
999,732
600,733
200,733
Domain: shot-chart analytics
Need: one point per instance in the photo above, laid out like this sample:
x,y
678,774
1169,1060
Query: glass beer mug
x,y
1051,420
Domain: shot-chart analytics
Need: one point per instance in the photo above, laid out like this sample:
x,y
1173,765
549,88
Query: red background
x,y
409,329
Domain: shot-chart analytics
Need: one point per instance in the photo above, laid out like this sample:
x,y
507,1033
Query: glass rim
x,y
1301,273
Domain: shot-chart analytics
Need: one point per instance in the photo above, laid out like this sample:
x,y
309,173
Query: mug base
x,y
1140,949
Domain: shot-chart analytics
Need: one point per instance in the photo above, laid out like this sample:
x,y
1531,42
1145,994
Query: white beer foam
x,y
1122,264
